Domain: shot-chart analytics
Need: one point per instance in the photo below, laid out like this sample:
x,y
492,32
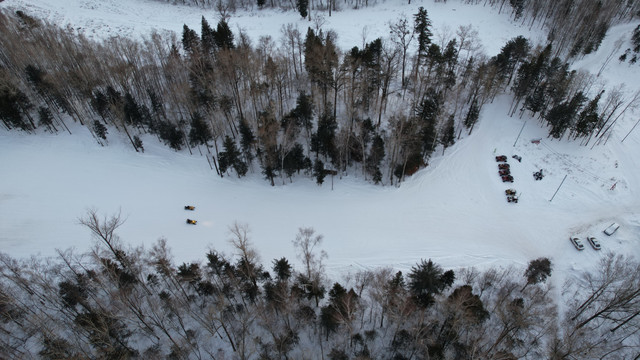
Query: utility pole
x,y
554,194
514,143
634,126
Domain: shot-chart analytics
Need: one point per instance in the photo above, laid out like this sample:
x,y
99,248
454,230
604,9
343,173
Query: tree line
x,y
297,107
123,302
577,27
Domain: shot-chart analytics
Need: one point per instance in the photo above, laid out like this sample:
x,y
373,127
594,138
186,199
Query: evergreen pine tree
x,y
472,115
448,135
422,27
323,141
14,108
302,6
171,135
137,143
510,56
588,118
200,133
247,139
100,130
318,171
538,271
535,102
230,157
46,118
294,161
190,40
207,37
561,116
131,110
427,116
304,110
223,36
100,104
428,279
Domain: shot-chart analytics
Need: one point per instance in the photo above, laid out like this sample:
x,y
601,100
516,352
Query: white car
x,y
595,244
577,243
611,229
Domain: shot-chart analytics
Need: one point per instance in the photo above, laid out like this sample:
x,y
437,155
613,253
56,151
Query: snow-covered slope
x,y
453,212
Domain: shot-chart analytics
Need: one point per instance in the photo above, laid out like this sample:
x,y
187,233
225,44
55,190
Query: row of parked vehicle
x,y
504,169
595,244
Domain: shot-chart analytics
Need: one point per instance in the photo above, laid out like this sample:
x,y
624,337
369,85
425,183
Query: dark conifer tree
x,y
131,110
588,118
100,104
137,143
529,76
561,117
207,37
223,36
304,111
171,135
14,105
376,154
427,116
635,39
323,141
190,40
230,158
46,118
302,6
113,97
247,140
200,133
518,8
422,27
536,101
341,308
538,271
100,130
268,170
318,171
449,134
282,269
472,115
514,51
428,279
294,161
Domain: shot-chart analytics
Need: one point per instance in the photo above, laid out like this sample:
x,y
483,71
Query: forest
x,y
301,106
123,302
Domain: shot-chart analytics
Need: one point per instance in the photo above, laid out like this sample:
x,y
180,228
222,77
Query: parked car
x,y
577,243
595,244
507,178
611,229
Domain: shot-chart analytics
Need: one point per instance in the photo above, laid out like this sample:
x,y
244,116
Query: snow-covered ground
x,y
138,18
453,212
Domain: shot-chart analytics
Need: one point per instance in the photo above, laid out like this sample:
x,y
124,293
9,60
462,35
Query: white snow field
x,y
454,211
